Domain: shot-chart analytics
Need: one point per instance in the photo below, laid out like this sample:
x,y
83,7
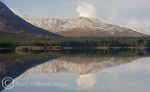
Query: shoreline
x,y
48,48
67,48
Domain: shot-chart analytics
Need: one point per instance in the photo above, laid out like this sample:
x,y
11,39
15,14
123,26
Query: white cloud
x,y
86,9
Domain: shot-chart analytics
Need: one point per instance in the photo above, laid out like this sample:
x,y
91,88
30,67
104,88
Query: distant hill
x,y
10,23
83,27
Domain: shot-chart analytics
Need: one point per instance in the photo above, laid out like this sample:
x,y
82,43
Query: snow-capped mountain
x,y
82,26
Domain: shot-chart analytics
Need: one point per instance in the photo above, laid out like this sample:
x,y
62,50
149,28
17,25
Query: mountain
x,y
82,27
10,23
76,27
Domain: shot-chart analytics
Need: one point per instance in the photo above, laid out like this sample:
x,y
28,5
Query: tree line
x,y
76,42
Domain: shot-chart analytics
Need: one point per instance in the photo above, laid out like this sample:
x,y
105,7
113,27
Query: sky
x,y
133,14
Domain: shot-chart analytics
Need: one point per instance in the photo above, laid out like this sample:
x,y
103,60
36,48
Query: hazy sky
x,y
129,13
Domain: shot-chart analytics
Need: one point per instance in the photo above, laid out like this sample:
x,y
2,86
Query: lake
x,y
113,70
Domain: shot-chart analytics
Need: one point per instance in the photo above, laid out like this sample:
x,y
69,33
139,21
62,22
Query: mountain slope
x,y
13,24
82,27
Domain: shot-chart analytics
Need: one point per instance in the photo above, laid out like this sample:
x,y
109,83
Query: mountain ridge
x,y
13,24
82,27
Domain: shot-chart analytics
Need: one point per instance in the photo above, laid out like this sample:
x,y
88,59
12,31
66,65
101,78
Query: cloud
x,y
86,9
86,81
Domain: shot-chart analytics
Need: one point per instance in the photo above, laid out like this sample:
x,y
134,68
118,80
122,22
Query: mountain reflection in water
x,y
85,64
80,65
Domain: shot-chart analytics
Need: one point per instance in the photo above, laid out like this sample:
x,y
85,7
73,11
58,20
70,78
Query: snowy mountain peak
x,y
81,26
60,24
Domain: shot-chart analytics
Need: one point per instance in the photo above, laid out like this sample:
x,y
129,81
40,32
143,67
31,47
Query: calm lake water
x,y
76,71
